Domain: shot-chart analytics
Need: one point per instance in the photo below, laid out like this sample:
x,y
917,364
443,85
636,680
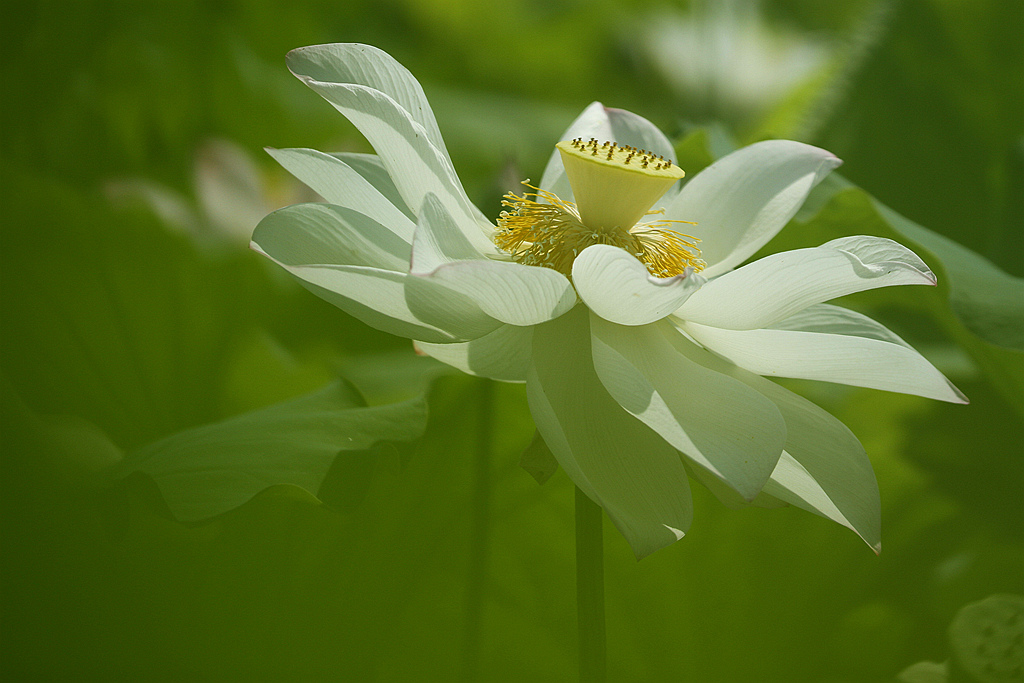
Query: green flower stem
x,y
479,540
590,589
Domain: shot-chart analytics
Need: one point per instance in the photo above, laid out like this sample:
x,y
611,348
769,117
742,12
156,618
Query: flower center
x,y
614,188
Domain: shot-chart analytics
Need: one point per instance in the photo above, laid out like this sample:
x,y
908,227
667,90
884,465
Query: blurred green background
x,y
132,174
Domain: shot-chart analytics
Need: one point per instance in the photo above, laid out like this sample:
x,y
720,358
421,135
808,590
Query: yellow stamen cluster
x,y
549,233
625,154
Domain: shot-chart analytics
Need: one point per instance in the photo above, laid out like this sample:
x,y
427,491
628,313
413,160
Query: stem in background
x,y
590,589
479,541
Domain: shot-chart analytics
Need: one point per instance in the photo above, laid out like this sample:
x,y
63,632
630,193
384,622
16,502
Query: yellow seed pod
x,y
614,186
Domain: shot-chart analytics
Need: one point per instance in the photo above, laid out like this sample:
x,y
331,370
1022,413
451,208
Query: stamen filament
x,y
547,231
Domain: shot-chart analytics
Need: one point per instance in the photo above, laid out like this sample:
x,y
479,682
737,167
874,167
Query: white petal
x,y
447,309
604,124
824,468
340,184
502,355
777,286
372,67
412,161
621,464
793,483
307,234
358,265
510,292
718,422
438,240
727,495
379,299
371,168
829,319
616,286
839,358
632,129
742,200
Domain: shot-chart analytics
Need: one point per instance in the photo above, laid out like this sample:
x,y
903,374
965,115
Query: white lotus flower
x,y
722,56
634,348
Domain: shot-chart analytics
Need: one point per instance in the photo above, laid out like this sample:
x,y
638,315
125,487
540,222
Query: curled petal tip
x,y
689,273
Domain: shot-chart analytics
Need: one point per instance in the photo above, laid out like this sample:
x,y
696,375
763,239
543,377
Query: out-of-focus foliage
x,y
127,320
205,471
931,123
986,640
